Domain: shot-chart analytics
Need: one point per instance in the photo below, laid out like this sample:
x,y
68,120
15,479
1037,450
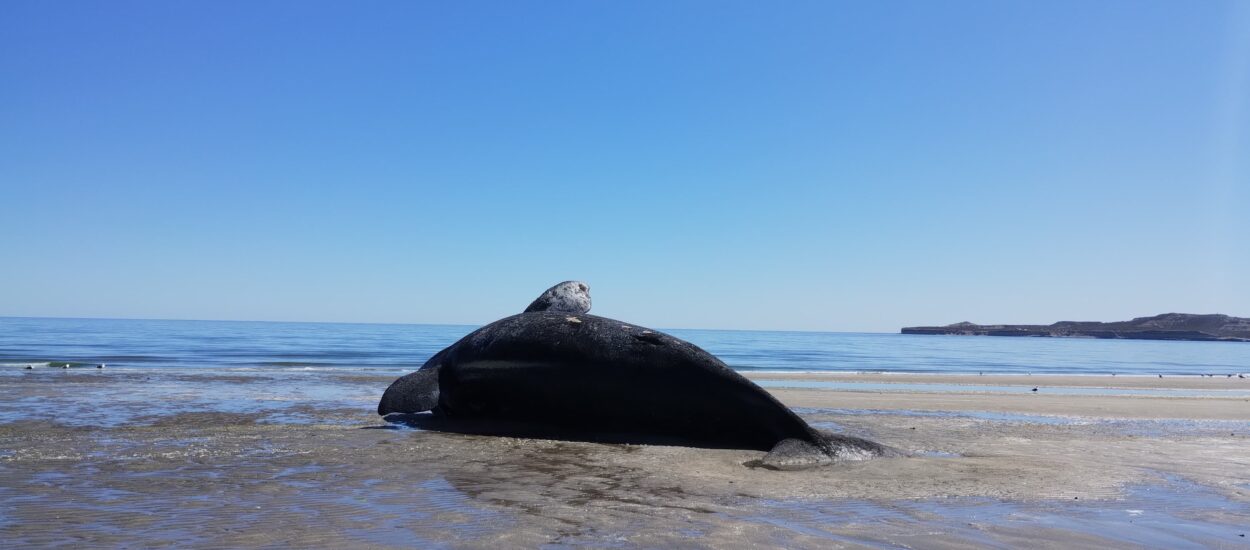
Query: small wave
x,y
306,364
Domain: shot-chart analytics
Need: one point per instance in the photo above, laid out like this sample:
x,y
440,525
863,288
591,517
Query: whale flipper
x,y
797,454
412,393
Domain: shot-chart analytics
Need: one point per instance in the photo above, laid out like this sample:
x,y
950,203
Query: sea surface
x,y
240,346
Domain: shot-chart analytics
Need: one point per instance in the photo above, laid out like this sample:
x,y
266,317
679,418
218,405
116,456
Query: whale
x,y
556,369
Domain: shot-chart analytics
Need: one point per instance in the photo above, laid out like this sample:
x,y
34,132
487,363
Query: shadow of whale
x,y
530,430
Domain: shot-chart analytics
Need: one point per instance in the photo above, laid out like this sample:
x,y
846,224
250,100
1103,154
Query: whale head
x,y
567,297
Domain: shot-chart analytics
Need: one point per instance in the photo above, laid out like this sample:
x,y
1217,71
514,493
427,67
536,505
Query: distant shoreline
x,y
1168,326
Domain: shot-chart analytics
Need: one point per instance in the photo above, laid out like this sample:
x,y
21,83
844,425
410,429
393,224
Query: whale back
x,y
590,373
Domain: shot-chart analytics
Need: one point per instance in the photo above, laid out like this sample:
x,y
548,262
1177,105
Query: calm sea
x,y
124,343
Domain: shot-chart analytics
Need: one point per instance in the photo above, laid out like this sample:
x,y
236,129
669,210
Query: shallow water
x,y
140,396
1174,514
264,345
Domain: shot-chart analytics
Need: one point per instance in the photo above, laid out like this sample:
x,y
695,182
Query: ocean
x,y
275,346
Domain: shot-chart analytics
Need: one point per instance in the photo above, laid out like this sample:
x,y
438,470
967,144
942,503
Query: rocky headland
x,y
1169,326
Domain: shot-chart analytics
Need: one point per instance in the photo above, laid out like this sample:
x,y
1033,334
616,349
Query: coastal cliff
x,y
1169,326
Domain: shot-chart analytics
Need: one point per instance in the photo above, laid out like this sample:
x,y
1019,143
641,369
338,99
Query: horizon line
x,y
409,323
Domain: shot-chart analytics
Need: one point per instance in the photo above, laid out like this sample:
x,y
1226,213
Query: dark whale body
x,y
584,374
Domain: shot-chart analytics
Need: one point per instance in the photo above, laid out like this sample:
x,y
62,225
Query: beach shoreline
x,y
1212,406
1153,381
180,468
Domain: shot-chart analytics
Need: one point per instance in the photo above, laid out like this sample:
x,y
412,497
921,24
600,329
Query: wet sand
x,y
992,468
1219,399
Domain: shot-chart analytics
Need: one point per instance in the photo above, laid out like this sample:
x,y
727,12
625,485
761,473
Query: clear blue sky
x,y
792,165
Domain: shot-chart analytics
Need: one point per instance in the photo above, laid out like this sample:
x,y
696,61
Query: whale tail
x,y
412,393
797,454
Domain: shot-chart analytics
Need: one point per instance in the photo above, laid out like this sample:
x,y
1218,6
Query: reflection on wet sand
x,y
322,471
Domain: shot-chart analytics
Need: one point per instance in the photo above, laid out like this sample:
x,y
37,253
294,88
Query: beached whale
x,y
582,376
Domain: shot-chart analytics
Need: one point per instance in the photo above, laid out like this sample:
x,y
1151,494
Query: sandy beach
x,y
990,468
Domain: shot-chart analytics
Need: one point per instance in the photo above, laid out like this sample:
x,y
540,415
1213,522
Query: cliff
x,y
1169,326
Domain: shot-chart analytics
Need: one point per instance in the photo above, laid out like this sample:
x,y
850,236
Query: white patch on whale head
x,y
568,297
